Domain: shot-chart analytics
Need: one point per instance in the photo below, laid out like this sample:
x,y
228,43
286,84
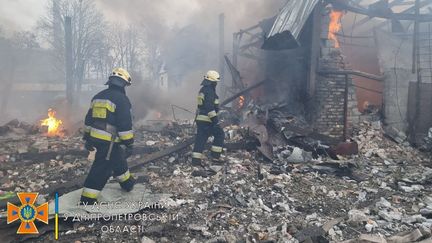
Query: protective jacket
x,y
108,120
109,117
208,103
208,123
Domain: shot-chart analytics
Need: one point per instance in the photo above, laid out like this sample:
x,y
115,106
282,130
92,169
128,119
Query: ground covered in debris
x,y
381,194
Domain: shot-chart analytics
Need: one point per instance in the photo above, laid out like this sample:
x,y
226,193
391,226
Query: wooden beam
x,y
247,30
314,50
367,19
235,96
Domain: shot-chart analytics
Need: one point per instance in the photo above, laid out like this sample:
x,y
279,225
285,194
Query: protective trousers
x,y
103,169
204,131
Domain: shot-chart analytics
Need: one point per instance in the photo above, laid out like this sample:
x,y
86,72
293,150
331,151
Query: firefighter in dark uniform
x,y
207,120
108,128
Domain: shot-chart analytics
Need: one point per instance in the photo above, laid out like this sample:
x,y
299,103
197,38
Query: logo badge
x,y
27,213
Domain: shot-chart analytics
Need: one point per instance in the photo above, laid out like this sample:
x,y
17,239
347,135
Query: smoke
x,y
154,103
160,17
17,15
187,33
183,36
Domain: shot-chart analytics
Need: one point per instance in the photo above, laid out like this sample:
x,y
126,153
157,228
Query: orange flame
x,y
335,26
53,124
241,102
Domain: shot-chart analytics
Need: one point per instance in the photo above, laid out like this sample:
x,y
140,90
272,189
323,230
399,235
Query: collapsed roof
x,y
288,25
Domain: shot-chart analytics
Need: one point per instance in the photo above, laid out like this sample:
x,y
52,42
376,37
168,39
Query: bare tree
x,y
127,48
88,27
25,40
102,62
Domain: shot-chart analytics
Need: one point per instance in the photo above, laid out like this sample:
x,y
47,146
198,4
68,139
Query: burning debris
x,y
335,26
52,124
241,101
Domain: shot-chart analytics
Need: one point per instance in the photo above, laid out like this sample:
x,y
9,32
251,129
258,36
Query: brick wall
x,y
328,117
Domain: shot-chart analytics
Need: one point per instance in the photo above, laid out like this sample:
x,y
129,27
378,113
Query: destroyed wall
x,y
287,70
329,101
400,93
395,56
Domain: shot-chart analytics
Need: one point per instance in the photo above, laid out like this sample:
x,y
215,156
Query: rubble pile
x,y
30,161
374,144
383,194
16,127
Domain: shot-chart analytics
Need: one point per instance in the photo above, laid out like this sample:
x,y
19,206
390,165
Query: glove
x,y
128,151
215,121
89,146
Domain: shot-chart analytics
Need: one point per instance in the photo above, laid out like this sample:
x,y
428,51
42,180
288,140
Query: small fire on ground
x,y
241,102
54,125
335,26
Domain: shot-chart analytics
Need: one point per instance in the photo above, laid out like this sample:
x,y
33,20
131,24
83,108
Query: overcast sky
x,y
24,14
20,14
16,15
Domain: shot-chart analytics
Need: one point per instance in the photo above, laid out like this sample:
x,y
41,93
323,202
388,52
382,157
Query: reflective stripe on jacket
x,y
110,116
208,102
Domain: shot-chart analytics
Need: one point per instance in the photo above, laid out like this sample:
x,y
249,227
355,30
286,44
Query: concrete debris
x,y
394,134
146,239
427,146
307,193
370,226
383,203
403,237
390,215
426,212
355,215
364,238
418,218
16,128
408,237
298,155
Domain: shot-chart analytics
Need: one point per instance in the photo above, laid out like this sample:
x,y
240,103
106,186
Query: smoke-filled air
x,y
157,41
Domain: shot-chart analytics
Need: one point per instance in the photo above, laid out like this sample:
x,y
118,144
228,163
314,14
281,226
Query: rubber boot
x,y
197,162
129,184
87,201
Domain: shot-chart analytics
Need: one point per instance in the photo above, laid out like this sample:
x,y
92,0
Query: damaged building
x,y
334,78
325,107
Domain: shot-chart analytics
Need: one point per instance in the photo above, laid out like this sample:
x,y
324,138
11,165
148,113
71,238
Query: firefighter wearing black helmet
x,y
108,129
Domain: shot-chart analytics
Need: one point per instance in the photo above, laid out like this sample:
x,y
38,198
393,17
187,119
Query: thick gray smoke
x,y
161,17
181,35
186,31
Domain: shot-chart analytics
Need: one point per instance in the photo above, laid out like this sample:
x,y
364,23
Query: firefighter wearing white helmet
x,y
119,77
108,128
212,76
207,120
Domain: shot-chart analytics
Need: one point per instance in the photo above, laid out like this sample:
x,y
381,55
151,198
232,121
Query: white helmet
x,y
212,76
123,75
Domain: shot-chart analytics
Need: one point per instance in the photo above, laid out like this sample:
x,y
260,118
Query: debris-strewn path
x,y
383,191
